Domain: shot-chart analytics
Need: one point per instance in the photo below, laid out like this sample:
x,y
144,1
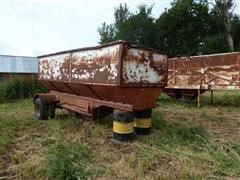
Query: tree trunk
x,y
227,25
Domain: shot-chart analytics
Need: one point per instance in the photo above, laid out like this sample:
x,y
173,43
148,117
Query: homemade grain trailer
x,y
97,80
188,77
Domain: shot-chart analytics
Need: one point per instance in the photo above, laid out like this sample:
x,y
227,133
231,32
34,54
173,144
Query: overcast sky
x,y
36,27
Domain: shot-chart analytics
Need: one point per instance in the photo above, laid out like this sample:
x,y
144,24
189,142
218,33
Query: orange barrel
x,y
123,129
142,121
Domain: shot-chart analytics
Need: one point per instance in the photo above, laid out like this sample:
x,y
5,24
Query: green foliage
x,y
183,27
188,27
18,88
236,31
106,33
138,28
214,44
164,97
68,162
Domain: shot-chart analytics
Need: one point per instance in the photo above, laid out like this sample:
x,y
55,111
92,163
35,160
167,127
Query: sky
x,y
37,27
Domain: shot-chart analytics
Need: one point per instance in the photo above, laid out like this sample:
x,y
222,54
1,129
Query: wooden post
x,y
211,96
199,93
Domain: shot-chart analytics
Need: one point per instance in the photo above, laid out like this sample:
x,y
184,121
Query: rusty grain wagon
x,y
96,80
186,75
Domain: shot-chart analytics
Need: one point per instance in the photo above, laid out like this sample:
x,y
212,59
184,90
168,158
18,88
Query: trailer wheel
x,y
41,110
52,108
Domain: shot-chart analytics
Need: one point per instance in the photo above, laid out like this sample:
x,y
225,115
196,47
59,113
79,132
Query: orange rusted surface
x,y
97,79
216,72
117,64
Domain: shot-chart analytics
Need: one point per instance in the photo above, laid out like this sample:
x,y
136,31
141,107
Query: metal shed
x,y
20,66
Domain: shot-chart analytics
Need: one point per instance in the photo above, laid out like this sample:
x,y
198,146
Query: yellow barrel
x,y
142,121
123,128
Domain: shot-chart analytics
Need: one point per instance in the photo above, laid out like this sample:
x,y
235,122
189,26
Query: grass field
x,y
186,143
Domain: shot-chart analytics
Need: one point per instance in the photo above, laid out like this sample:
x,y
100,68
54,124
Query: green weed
x,y
18,88
68,162
179,135
227,158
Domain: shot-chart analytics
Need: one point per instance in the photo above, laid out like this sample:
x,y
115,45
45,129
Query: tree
x,y
111,32
107,33
236,31
188,27
222,8
183,27
138,28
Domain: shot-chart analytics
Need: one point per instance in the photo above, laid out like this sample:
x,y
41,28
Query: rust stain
x,y
54,68
96,65
106,65
98,79
116,75
144,67
218,71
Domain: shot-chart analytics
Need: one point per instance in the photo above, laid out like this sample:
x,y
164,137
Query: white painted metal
x,y
135,70
50,67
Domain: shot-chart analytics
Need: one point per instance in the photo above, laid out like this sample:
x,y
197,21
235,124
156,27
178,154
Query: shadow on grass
x,y
78,119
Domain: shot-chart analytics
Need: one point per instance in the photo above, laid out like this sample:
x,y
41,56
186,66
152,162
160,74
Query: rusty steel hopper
x,y
96,80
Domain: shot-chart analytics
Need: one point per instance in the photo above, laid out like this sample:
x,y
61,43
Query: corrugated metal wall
x,y
18,64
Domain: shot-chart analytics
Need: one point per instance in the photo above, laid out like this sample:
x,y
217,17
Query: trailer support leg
x,y
211,96
143,122
198,98
123,129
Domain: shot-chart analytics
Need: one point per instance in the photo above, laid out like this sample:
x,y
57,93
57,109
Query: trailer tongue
x,y
96,80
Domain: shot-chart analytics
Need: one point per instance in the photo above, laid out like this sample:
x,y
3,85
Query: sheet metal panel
x,y
118,64
144,67
217,71
99,66
18,64
55,67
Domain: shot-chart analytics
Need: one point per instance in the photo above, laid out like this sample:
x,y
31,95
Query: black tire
x,y
41,109
52,108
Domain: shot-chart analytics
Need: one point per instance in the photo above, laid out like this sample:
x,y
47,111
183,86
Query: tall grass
x,y
18,88
227,158
69,161
178,135
7,132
